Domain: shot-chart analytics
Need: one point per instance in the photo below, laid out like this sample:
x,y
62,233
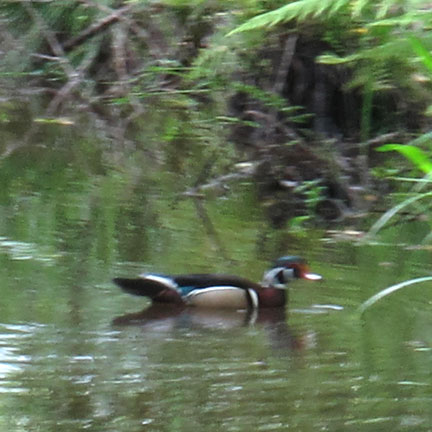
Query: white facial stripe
x,y
168,282
270,278
288,274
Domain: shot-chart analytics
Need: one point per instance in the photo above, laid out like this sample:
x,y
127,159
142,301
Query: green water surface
x,y
78,207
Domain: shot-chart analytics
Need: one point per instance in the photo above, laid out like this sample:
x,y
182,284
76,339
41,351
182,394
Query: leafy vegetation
x,y
305,90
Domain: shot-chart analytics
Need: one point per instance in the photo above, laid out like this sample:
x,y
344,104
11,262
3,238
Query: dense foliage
x,y
307,90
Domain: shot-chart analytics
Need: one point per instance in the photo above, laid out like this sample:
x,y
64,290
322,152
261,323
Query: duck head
x,y
286,269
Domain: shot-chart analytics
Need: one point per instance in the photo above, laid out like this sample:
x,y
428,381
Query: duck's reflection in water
x,y
163,317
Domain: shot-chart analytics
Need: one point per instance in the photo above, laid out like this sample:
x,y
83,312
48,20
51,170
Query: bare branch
x,y
95,28
285,63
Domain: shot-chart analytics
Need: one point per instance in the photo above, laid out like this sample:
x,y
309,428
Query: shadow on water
x,y
168,318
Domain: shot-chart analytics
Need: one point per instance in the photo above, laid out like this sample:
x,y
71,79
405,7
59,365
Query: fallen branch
x,y
52,40
220,182
94,29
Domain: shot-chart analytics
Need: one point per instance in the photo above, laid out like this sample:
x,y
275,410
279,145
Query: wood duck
x,y
220,290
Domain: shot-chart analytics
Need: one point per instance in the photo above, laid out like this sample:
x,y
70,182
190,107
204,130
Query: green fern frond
x,y
333,59
416,155
358,6
335,6
424,54
299,10
399,47
384,8
407,19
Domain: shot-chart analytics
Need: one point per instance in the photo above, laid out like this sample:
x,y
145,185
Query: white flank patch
x,y
164,280
229,297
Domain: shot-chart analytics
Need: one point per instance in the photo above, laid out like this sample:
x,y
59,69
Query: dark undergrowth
x,y
301,94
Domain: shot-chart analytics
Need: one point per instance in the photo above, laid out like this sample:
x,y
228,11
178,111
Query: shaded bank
x,y
303,94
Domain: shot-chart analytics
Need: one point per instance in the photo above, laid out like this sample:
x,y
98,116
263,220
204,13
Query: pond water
x,y
76,353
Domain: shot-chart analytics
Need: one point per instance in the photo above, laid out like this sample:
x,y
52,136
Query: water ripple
x,y
12,360
22,251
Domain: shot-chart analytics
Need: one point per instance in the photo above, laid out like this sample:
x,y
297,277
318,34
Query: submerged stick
x,y
391,289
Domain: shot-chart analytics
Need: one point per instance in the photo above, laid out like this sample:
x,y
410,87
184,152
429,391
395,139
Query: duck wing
x,y
147,285
174,289
207,280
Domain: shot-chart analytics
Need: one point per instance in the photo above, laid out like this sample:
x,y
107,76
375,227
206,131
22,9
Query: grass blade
x,y
413,153
387,291
422,52
394,210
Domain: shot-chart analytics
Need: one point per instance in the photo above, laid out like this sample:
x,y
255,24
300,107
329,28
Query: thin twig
x,y
218,182
383,139
52,41
72,83
121,17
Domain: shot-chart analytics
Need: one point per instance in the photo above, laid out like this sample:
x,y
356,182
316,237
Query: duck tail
x,y
158,289
139,287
